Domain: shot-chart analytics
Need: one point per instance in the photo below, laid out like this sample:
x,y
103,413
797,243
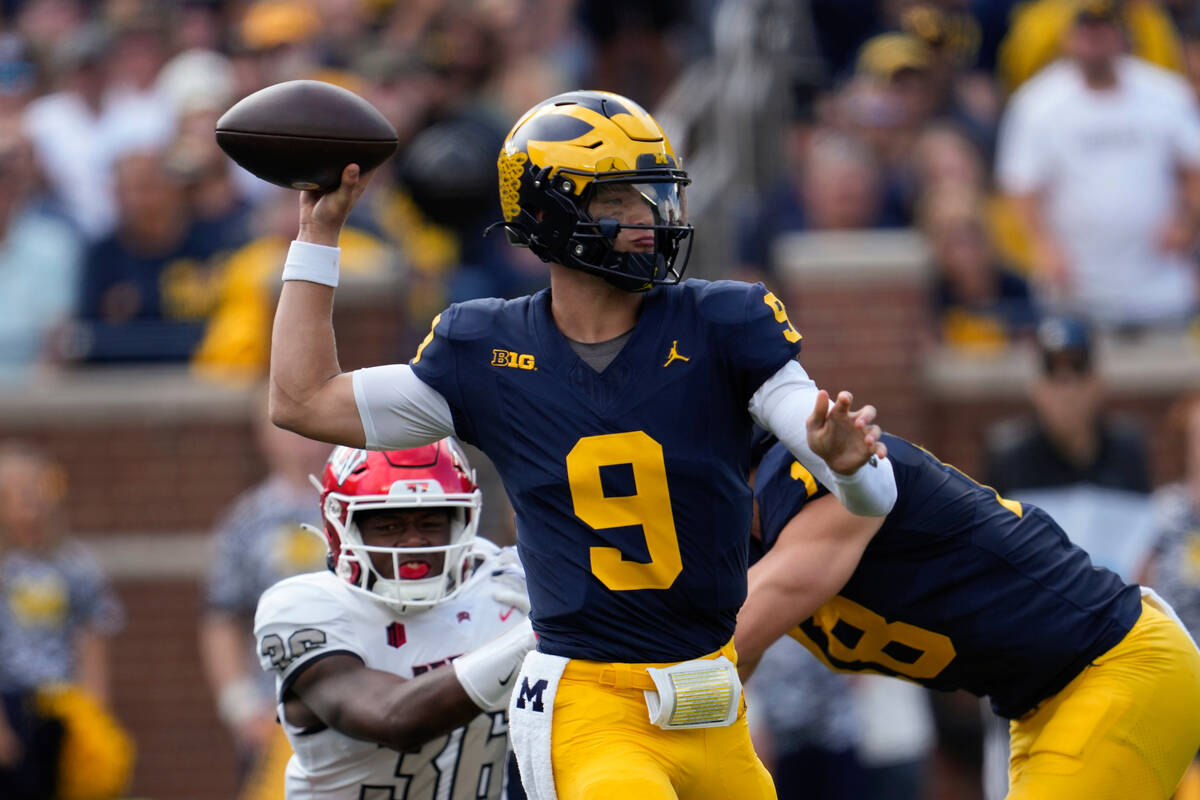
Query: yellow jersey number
x,y
649,507
901,648
776,305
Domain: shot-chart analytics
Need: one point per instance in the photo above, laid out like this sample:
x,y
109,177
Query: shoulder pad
x,y
724,302
475,319
310,598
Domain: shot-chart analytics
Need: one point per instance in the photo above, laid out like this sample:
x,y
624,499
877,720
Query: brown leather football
x,y
302,134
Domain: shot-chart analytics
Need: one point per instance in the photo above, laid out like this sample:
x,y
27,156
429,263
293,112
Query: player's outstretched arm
x,y
378,706
309,394
852,463
812,559
382,707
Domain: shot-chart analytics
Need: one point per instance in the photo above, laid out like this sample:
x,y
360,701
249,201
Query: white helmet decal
x,y
344,460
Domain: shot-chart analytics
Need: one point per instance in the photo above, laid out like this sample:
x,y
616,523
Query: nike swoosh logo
x,y
504,617
504,681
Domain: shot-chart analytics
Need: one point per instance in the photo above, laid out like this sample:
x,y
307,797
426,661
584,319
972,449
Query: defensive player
x,y
616,406
959,588
358,651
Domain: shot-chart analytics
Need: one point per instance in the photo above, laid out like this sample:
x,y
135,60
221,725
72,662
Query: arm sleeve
x,y
782,405
398,409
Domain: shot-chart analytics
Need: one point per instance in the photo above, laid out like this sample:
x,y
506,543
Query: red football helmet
x,y
431,476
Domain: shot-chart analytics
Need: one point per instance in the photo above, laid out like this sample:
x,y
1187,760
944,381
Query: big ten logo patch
x,y
511,358
532,694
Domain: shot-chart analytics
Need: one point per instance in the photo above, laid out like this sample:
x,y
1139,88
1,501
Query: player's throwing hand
x,y
322,214
845,439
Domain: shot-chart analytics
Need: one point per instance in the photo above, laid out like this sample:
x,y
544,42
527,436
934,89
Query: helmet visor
x,y
637,205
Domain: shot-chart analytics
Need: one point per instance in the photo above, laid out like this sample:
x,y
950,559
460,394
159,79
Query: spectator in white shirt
x,y
1101,151
88,121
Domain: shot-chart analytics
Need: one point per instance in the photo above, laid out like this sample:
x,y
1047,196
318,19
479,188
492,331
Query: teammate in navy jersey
x,y
616,406
959,588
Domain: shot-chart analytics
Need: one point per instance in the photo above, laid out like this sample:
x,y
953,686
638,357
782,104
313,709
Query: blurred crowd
x,y
1047,150
1039,186
152,246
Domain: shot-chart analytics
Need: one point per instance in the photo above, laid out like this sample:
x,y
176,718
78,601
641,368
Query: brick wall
x,y
860,300
160,694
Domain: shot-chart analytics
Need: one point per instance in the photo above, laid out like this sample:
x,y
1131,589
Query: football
x,y
302,134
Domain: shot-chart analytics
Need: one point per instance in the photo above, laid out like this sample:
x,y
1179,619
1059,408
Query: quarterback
x,y
393,669
959,588
616,406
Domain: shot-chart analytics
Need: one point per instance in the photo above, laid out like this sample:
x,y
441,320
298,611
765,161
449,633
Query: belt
x,y
628,676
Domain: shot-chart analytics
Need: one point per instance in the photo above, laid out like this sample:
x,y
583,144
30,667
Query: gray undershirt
x,y
598,355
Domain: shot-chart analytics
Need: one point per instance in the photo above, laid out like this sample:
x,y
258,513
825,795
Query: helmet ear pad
x,y
546,223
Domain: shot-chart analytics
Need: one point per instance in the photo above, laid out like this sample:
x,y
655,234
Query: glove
x,y
488,673
508,579
513,598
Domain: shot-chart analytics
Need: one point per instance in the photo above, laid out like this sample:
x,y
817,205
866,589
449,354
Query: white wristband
x,y
488,673
315,263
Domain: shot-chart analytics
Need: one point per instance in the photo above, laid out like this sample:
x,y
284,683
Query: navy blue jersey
x,y
959,589
629,485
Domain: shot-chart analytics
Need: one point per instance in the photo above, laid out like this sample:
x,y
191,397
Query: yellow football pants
x,y
1126,728
604,747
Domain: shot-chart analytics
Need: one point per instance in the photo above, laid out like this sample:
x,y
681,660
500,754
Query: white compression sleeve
x,y
398,409
782,405
487,674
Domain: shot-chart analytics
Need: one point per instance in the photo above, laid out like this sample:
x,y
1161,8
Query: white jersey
x,y
306,617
